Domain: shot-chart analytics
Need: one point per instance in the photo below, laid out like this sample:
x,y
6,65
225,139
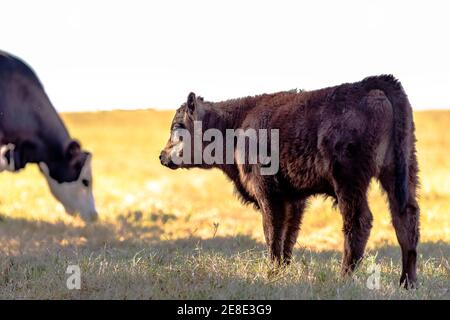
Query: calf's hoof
x,y
408,283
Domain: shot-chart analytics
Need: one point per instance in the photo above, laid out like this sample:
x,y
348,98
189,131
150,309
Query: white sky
x,y
139,54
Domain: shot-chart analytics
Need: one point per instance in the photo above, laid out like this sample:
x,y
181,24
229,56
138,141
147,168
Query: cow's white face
x,y
76,196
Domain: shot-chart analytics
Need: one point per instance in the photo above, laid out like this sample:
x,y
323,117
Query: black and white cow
x,y
31,131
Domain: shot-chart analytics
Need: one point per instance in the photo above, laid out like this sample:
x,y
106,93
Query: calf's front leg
x,y
273,217
294,214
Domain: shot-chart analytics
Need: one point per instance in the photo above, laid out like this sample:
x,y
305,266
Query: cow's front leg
x,y
273,216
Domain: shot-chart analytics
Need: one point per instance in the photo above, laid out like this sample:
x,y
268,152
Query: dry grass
x,y
182,234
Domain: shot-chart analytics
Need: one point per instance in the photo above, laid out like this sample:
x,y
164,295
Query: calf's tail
x,y
402,131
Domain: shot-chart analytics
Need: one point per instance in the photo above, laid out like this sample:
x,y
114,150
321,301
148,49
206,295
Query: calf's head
x,y
70,181
180,148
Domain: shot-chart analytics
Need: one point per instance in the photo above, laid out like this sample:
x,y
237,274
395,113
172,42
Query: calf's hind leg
x,y
357,225
406,224
351,184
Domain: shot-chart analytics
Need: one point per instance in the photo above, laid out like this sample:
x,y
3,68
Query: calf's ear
x,y
191,102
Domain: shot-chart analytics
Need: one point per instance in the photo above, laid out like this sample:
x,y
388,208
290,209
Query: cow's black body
x,y
29,121
31,131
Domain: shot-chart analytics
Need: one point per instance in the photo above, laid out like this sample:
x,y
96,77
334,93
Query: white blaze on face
x,y
75,196
177,144
4,163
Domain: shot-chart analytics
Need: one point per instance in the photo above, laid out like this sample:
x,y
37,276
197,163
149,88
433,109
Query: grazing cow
x,y
332,141
32,132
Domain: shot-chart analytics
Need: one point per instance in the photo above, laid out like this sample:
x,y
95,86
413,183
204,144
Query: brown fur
x,y
333,141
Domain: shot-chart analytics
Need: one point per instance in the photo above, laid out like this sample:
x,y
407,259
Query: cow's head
x,y
193,110
70,181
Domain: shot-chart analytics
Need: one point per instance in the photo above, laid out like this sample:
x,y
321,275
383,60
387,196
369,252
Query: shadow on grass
x,y
40,236
20,236
144,266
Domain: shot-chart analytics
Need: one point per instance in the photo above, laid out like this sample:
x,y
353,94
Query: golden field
x,y
183,234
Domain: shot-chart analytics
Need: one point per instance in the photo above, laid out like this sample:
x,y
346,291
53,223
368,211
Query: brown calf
x,y
332,141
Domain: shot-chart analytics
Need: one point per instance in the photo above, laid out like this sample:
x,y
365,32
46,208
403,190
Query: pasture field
x,y
183,234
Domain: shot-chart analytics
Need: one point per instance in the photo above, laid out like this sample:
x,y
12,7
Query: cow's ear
x,y
191,103
73,148
79,161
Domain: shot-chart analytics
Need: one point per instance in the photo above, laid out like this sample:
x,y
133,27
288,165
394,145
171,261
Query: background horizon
x,y
106,55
